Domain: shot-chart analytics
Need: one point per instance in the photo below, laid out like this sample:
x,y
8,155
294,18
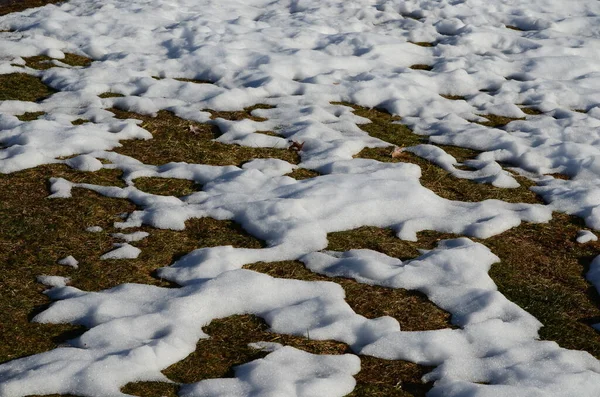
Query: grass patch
x,y
512,27
23,87
531,111
79,121
151,389
8,6
454,97
173,141
166,186
421,66
197,81
110,95
43,62
423,43
246,113
495,121
302,173
30,116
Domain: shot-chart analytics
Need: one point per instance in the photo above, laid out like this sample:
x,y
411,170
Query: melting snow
x,y
301,57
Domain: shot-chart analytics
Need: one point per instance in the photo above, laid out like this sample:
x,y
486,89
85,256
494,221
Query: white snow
x,y
285,372
301,57
123,251
585,236
93,229
131,237
53,281
69,261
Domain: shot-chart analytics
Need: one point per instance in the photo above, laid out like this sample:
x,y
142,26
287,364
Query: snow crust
x,y
301,57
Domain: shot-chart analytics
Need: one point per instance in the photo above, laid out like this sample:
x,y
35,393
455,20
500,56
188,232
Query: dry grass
x,y
496,121
8,6
23,87
43,62
423,43
29,116
421,66
167,186
454,97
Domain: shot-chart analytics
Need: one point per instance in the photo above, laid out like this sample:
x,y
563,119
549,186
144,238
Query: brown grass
x,y
43,62
23,87
421,66
8,6
29,116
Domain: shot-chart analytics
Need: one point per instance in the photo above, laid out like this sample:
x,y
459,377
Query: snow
x,y
131,237
585,236
285,372
123,251
53,281
301,57
69,261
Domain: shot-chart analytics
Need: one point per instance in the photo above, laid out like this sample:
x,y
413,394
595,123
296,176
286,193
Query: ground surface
x,y
298,198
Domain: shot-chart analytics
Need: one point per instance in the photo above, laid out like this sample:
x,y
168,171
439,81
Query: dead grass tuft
x,y
43,62
454,97
29,116
423,43
23,87
8,6
302,173
496,121
110,95
246,113
151,389
512,27
531,111
421,66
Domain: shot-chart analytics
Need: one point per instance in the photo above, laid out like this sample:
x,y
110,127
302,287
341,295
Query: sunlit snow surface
x,y
300,56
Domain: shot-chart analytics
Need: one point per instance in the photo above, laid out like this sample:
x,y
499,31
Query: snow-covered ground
x,y
300,56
